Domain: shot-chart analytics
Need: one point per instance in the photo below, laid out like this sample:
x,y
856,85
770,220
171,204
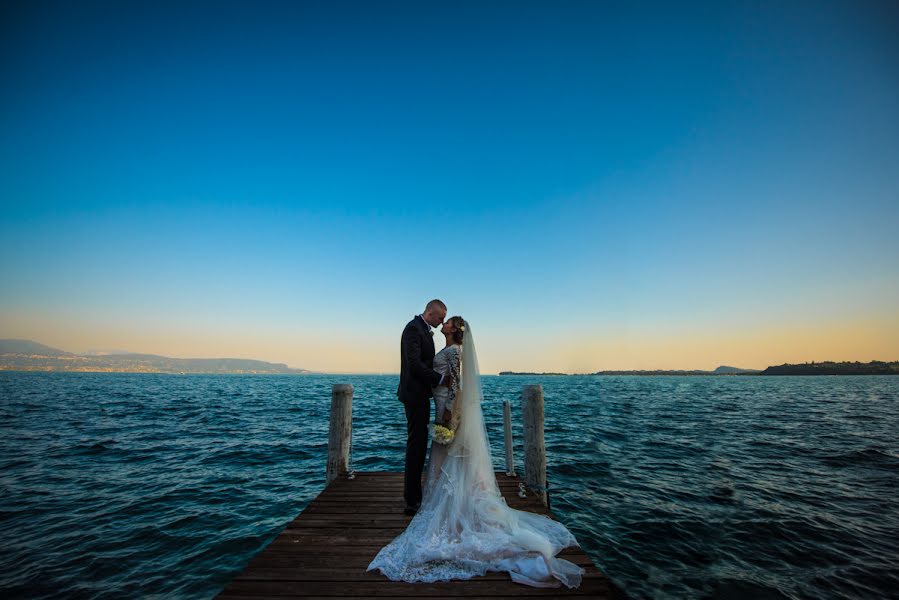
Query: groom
x,y
417,377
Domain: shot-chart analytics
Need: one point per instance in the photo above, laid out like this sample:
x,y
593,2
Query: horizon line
x,y
396,373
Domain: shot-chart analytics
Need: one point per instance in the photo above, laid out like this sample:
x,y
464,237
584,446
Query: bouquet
x,y
441,434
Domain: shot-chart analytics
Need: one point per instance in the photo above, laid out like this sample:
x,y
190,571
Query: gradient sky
x,y
592,185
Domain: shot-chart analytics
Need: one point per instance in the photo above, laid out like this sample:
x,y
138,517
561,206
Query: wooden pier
x,y
325,550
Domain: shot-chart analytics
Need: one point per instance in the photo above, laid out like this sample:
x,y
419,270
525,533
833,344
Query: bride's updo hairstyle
x,y
458,329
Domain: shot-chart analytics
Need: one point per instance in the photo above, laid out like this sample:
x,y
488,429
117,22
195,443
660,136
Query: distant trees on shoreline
x,y
875,367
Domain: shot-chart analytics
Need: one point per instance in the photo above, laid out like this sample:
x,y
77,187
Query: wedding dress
x,y
464,527
449,362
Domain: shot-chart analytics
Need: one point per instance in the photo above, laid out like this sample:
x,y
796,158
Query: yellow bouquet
x,y
441,434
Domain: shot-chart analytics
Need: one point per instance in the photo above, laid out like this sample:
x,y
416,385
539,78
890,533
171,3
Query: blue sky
x,y
592,186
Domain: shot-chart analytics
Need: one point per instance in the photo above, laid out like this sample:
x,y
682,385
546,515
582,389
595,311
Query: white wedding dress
x,y
464,527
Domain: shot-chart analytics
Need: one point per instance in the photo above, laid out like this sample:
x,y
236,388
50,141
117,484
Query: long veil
x,y
464,527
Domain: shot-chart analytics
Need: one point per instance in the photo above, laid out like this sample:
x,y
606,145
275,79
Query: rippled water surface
x,y
122,485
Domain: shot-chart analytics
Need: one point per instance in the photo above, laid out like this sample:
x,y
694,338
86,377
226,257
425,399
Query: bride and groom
x,y
462,526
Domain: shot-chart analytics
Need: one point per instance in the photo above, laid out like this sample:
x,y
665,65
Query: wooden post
x,y
534,442
340,434
507,431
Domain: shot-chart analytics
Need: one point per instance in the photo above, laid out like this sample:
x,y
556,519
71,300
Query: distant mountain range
x,y
875,367
722,370
26,355
528,373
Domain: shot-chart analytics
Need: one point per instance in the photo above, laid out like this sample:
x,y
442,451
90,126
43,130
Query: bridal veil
x,y
464,527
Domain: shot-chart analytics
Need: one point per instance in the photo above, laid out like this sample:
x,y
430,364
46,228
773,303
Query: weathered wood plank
x,y
324,552
330,573
234,596
341,560
479,587
361,549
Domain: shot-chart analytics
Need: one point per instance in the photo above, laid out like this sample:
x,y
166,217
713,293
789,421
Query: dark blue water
x,y
120,485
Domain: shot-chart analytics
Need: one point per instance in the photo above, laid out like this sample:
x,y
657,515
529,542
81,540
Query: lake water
x,y
126,485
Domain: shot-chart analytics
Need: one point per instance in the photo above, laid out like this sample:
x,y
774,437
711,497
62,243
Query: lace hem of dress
x,y
454,550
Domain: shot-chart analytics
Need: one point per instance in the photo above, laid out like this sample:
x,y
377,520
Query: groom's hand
x,y
448,380
447,415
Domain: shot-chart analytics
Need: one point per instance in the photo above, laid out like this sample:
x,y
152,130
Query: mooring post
x,y
340,434
534,442
507,431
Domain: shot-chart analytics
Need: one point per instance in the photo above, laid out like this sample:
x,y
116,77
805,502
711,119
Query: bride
x,y
464,527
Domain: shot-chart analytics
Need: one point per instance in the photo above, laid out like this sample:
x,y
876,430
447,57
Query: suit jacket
x,y
417,374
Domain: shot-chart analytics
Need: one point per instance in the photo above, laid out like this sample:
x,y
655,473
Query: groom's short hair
x,y
435,303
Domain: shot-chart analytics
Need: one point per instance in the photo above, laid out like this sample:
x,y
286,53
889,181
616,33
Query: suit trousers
x,y
418,413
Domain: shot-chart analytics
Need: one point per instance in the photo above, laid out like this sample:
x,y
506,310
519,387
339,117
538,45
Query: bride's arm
x,y
455,365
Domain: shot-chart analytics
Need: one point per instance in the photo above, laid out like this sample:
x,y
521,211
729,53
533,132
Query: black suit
x,y
417,376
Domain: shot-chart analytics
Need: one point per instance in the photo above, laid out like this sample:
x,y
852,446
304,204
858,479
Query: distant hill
x,y
25,355
725,370
28,347
655,372
722,370
875,367
526,373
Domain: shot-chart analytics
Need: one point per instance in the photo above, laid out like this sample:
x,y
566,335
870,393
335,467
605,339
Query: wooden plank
x,y
342,560
324,552
369,550
331,573
347,506
232,596
598,587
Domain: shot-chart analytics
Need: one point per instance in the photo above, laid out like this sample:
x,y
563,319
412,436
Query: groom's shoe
x,y
411,510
